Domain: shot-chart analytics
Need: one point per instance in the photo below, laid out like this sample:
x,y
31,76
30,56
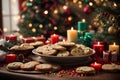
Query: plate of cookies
x,y
32,67
64,52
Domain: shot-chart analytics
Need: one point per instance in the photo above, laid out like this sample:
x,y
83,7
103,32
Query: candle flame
x,y
98,43
71,28
114,44
63,40
54,34
95,63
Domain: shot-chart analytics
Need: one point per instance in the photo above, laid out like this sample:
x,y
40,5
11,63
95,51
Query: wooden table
x,y
6,75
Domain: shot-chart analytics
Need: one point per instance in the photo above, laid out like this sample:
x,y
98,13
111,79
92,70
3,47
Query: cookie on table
x,y
109,67
14,65
87,50
85,70
58,47
29,65
66,44
77,52
43,67
63,53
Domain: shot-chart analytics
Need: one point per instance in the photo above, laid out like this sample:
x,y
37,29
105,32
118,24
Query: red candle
x,y
10,58
98,49
54,38
11,37
96,66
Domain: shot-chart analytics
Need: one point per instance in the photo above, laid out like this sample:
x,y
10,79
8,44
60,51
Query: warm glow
x,y
83,20
30,25
114,44
69,18
33,30
75,1
72,28
80,6
55,28
98,43
55,11
65,7
40,26
80,2
5,30
91,4
31,0
95,63
21,36
115,4
45,12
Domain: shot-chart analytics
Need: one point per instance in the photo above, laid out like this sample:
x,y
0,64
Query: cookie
x,y
85,70
46,50
37,43
43,67
63,53
29,65
87,51
109,67
58,47
14,65
66,44
77,52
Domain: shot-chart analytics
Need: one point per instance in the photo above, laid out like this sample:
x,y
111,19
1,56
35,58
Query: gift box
x,y
33,39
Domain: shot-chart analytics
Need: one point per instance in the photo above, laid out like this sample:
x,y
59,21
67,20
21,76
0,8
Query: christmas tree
x,y
45,17
51,16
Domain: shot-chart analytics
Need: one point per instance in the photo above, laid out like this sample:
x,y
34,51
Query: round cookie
x,y
66,44
58,47
14,65
77,52
37,43
43,67
87,51
29,65
85,70
109,67
63,53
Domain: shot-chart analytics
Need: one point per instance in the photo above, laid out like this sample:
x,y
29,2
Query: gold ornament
x,y
112,30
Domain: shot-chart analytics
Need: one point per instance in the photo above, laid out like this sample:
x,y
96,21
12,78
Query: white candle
x,y
72,35
114,47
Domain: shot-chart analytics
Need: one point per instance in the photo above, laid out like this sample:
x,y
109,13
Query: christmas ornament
x,y
112,30
87,10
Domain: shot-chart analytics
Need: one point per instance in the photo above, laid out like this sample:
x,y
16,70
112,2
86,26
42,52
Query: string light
x,y
23,16
65,7
55,11
45,12
31,0
90,3
21,36
40,26
33,30
115,4
49,25
79,2
69,18
83,20
80,6
30,25
55,28
75,1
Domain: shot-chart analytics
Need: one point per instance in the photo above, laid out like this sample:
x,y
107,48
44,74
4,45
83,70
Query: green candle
x,y
82,26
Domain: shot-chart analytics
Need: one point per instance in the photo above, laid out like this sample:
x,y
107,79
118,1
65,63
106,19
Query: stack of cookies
x,y
64,49
33,66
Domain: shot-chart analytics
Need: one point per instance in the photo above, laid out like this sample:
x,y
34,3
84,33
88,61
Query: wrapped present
x,y
33,39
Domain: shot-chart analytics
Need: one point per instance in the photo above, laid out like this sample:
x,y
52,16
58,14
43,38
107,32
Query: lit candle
x,y
114,47
72,35
98,49
11,37
96,66
54,38
10,58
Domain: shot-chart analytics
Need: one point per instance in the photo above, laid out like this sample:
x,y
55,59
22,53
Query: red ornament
x,y
87,10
